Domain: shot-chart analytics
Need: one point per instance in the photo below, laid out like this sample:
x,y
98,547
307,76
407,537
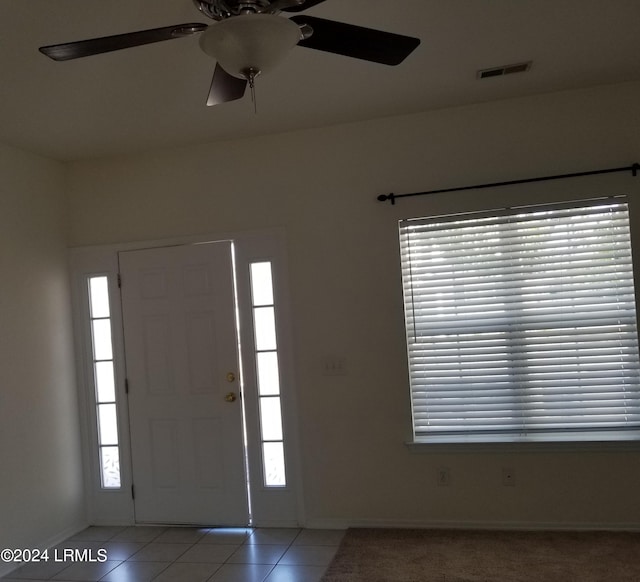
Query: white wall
x,y
41,493
321,186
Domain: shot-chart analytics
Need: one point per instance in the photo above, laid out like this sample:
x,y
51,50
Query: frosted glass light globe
x,y
250,42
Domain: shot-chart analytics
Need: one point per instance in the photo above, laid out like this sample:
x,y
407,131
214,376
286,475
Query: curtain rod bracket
x,y
634,168
384,197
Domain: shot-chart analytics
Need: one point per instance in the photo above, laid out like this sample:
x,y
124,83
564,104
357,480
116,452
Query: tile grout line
x,y
144,545
273,567
175,560
283,554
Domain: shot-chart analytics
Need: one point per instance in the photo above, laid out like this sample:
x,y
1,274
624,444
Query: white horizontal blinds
x,y
522,323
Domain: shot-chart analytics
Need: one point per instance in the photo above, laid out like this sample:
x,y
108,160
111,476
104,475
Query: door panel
x,y
180,345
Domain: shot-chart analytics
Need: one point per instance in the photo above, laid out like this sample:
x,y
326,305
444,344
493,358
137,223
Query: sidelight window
x,y
104,381
269,396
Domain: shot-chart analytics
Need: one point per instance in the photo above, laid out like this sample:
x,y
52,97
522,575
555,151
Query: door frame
x,y
270,507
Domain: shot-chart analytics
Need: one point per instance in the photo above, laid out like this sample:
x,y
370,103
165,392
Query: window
x,y
104,381
521,324
266,352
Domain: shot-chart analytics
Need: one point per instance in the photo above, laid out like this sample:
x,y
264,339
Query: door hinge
x,y
126,385
119,281
133,492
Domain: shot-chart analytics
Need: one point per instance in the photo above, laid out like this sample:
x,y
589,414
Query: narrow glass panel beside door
x,y
266,352
268,375
271,418
265,328
274,473
110,467
105,385
104,382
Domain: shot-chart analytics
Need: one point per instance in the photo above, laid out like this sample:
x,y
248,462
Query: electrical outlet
x,y
508,477
334,366
444,477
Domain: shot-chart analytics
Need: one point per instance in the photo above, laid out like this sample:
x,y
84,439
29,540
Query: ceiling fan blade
x,y
105,44
225,87
356,41
307,4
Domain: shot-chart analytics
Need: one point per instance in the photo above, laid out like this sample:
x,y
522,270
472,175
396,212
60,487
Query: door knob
x,y
231,397
231,377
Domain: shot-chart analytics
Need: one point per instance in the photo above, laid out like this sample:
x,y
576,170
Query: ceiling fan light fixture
x,y
254,43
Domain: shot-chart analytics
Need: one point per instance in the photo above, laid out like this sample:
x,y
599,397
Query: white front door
x,y
184,395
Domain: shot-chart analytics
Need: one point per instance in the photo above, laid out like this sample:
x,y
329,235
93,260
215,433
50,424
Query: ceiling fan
x,y
250,37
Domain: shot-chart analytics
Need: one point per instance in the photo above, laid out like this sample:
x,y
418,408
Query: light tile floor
x,y
184,554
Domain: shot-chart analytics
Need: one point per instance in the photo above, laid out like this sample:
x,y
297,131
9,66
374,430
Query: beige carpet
x,y
396,555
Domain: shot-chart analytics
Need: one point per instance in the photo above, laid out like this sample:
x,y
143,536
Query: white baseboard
x,y
471,525
288,523
112,523
7,568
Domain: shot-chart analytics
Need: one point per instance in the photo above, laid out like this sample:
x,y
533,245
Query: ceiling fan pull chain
x,y
252,85
251,75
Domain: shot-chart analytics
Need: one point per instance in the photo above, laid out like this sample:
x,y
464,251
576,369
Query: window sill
x,y
438,445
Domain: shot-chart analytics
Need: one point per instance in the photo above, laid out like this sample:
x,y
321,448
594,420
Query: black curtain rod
x,y
634,169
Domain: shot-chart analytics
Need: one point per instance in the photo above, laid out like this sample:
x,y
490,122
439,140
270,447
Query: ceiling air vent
x,y
504,70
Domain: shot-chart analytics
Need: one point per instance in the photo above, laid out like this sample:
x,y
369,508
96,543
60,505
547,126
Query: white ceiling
x,y
154,96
